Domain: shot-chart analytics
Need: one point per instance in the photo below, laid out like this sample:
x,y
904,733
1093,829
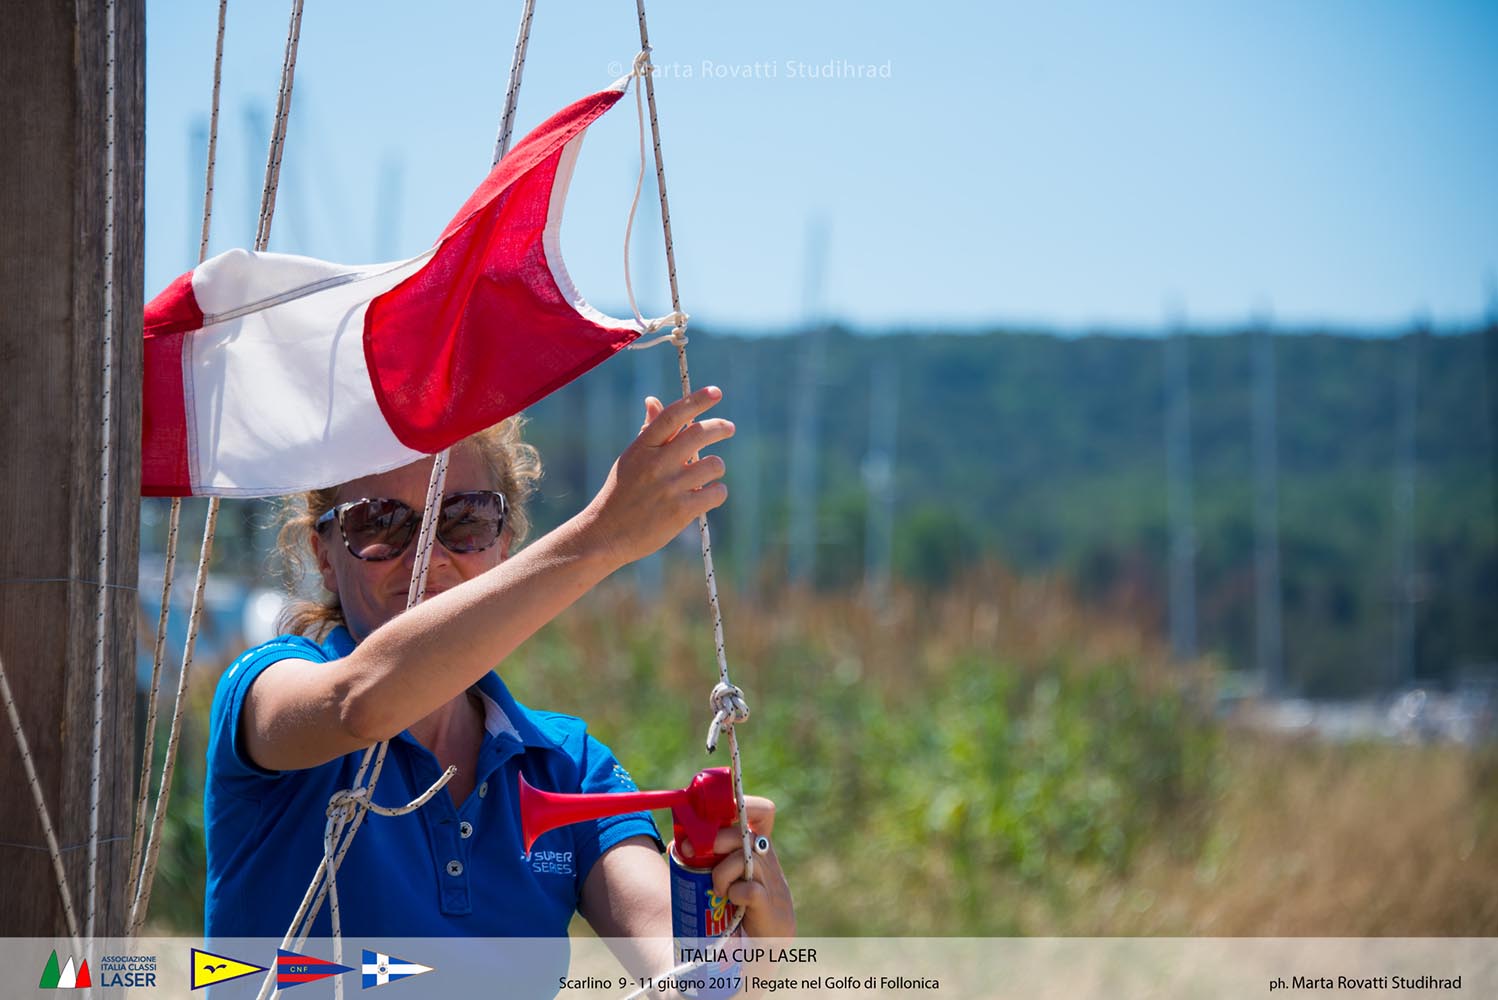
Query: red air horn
x,y
698,811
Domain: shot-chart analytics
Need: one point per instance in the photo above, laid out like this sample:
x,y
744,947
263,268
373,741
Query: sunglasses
x,y
377,530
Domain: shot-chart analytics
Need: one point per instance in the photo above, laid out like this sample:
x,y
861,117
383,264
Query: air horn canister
x,y
698,812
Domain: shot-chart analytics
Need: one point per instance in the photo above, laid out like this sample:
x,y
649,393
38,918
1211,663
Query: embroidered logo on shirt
x,y
551,862
625,778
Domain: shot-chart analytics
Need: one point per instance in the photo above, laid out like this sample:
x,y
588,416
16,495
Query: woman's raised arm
x,y
417,661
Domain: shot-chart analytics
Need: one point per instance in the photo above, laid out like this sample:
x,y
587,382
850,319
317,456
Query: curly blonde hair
x,y
514,464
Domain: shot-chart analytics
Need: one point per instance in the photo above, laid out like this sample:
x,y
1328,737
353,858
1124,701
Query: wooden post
x,y
53,103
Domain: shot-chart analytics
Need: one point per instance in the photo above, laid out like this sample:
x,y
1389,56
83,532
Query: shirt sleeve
x,y
600,771
228,760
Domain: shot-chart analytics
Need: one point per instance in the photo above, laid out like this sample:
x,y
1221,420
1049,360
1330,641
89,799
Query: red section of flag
x,y
175,310
83,981
164,440
484,330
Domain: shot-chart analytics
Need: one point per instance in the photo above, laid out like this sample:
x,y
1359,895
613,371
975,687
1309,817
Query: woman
x,y
292,718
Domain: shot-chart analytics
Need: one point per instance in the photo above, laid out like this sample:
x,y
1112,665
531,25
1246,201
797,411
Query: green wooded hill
x,y
1049,453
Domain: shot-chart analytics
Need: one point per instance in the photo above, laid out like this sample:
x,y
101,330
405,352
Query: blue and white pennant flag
x,y
382,969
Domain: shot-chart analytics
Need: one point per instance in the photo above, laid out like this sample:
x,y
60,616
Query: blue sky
x,y
1067,165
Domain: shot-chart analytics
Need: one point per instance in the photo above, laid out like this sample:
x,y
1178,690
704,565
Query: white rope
x,y
512,87
353,818
174,519
158,655
41,806
355,803
105,461
676,336
218,78
342,806
638,70
428,534
142,900
323,881
677,319
728,702
345,801
729,708
278,135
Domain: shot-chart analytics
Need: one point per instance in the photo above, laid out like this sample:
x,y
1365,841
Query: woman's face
x,y
372,593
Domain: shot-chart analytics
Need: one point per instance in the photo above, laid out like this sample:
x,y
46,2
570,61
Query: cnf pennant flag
x,y
293,969
269,373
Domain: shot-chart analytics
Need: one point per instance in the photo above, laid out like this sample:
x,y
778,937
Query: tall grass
x,y
937,763
994,759
1321,840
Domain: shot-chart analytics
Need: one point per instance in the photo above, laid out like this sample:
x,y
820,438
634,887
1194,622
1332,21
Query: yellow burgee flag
x,y
209,969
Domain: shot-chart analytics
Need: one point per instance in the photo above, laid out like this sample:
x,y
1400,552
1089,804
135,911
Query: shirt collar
x,y
499,704
495,719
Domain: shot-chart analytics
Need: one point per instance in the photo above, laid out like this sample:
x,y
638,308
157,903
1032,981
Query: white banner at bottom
x,y
586,968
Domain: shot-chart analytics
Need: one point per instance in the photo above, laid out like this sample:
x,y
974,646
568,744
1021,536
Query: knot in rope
x,y
344,803
729,709
678,335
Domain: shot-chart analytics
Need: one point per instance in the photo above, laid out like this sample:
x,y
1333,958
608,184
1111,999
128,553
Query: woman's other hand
x,y
769,910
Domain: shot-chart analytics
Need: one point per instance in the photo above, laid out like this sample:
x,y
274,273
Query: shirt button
x,y
465,829
455,867
484,789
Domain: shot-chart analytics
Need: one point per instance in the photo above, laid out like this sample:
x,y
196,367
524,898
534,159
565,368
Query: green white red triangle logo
x,y
68,977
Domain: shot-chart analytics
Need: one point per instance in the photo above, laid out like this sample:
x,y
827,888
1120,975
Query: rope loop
x,y
678,335
729,709
677,319
343,803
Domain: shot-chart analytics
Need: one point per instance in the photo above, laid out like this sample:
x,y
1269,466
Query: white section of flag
x,y
285,378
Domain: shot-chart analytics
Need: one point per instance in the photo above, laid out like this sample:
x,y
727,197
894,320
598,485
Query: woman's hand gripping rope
x,y
658,486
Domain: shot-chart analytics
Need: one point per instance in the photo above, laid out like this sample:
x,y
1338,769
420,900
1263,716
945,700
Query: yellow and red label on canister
x,y
698,916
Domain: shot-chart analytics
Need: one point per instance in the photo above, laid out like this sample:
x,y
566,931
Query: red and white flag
x,y
269,373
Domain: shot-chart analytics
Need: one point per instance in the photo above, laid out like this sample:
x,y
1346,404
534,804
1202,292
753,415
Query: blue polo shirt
x,y
442,870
